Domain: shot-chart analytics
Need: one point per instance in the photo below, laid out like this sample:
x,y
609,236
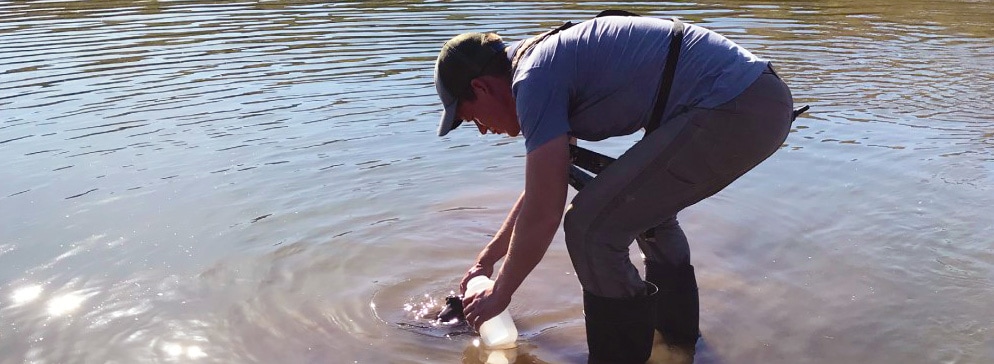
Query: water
x,y
224,181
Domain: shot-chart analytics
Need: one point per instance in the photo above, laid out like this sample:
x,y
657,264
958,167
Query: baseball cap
x,y
463,58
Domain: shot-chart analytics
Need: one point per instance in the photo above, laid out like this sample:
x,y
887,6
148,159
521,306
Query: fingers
x,y
470,307
465,281
475,322
469,304
473,271
471,319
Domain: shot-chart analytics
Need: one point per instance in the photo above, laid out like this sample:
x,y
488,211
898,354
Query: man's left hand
x,y
484,306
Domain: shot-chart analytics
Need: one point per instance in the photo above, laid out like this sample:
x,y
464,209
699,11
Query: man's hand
x,y
484,306
476,270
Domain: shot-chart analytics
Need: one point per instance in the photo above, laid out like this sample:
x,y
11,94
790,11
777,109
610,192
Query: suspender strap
x,y
590,160
669,72
614,12
593,161
529,43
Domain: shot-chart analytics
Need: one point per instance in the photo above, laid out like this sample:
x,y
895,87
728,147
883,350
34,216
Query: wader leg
x,y
667,265
619,330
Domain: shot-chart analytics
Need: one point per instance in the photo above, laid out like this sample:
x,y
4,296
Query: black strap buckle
x,y
587,160
799,111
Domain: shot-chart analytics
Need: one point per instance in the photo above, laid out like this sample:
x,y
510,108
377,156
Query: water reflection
x,y
58,305
65,304
494,356
258,182
178,352
26,294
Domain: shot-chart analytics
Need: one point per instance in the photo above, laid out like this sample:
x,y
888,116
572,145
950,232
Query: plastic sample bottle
x,y
498,332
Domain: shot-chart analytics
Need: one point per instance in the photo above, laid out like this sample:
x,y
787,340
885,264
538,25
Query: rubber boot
x,y
619,330
678,306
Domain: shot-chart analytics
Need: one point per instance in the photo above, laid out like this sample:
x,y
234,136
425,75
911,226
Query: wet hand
x,y
484,306
476,270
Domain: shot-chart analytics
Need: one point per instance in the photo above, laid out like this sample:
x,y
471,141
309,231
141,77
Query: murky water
x,y
259,182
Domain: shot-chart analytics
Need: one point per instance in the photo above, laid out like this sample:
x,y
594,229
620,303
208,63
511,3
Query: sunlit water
x,y
259,182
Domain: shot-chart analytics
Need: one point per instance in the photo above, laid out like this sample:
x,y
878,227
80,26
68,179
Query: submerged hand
x,y
484,306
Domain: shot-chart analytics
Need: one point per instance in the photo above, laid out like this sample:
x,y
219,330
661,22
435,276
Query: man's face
x,y
493,110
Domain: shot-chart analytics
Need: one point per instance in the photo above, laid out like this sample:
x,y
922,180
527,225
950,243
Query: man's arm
x,y
541,211
495,250
498,246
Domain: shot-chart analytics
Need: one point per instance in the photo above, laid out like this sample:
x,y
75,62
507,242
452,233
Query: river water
x,y
259,182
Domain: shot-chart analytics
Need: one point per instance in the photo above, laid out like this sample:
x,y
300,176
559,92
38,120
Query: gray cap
x,y
463,58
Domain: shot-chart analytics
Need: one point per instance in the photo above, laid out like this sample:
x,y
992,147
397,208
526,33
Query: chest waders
x,y
620,330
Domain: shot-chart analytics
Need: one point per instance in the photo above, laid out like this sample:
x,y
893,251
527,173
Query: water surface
x,y
258,182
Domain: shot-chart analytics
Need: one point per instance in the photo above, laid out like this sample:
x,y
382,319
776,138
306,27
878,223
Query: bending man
x,y
727,112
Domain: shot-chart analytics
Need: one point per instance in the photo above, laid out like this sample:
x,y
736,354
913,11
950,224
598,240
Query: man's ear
x,y
480,85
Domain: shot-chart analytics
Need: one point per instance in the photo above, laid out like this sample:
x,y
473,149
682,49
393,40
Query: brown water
x,y
259,182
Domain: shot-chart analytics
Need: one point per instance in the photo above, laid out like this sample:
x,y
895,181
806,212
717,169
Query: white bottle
x,y
498,332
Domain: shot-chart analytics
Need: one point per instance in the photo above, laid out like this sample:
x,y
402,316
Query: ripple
x,y
183,124
403,305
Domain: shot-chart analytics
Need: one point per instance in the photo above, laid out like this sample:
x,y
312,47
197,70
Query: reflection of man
x,y
728,111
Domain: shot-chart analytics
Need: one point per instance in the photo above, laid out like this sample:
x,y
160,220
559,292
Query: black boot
x,y
619,330
677,308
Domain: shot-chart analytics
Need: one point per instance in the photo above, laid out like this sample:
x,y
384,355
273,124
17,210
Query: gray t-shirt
x,y
599,78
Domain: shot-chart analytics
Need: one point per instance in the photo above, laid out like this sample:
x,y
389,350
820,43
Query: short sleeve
x,y
542,103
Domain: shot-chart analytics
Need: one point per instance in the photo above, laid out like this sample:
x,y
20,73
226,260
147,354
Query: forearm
x,y
497,248
542,207
532,236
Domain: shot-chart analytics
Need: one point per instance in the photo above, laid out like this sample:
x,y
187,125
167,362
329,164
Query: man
x,y
727,112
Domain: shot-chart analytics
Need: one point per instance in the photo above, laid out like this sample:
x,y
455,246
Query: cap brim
x,y
450,103
448,121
